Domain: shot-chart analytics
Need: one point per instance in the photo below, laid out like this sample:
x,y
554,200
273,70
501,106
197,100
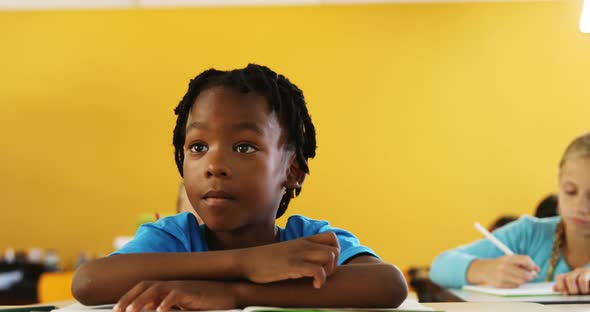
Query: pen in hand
x,y
493,239
496,242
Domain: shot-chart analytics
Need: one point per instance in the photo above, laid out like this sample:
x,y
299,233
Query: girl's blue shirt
x,y
182,233
526,236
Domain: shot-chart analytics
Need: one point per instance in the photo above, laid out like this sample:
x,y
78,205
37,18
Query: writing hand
x,y
508,271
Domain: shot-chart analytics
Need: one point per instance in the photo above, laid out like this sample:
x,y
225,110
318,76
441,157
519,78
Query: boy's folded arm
x,y
378,285
105,280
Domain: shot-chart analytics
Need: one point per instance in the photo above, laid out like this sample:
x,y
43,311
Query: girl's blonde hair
x,y
579,147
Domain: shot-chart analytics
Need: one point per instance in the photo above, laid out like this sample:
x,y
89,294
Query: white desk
x,y
571,307
461,306
506,307
471,296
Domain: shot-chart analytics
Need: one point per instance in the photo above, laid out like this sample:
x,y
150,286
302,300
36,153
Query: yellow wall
x,y
429,116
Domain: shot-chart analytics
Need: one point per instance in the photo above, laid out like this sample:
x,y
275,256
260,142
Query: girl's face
x,y
574,195
235,161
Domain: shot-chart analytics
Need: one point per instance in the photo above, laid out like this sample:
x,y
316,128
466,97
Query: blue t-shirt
x,y
182,233
526,236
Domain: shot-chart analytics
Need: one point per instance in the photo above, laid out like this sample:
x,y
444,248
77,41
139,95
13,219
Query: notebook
x,y
28,308
409,305
530,289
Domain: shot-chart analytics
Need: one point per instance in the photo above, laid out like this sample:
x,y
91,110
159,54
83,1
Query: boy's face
x,y
235,161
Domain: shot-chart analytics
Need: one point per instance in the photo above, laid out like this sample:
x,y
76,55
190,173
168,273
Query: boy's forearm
x,y
355,285
105,280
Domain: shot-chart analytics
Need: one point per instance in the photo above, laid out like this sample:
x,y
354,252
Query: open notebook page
x,y
530,289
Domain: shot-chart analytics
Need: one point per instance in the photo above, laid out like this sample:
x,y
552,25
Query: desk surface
x,y
471,296
462,306
506,307
571,307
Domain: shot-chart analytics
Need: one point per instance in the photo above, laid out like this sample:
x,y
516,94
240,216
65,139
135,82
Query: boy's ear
x,y
295,176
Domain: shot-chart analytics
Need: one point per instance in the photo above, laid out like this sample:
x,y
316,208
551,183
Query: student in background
x,y
242,143
501,221
556,248
183,204
547,207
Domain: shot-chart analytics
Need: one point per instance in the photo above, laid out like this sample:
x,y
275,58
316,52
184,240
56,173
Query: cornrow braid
x,y
558,243
284,97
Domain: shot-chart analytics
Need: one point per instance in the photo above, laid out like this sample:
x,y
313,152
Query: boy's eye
x,y
198,148
244,148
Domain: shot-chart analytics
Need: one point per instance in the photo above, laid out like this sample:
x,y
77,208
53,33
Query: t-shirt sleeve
x,y
350,247
165,235
449,269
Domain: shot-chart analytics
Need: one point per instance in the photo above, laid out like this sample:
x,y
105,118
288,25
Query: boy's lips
x,y
218,195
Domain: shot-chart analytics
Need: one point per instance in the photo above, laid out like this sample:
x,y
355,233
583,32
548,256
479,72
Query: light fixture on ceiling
x,y
585,17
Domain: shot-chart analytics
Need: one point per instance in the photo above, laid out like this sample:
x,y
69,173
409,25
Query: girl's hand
x,y
183,295
508,271
574,282
314,256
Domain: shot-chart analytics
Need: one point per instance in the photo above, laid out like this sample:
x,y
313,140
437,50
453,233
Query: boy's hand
x,y
314,256
574,282
184,295
504,272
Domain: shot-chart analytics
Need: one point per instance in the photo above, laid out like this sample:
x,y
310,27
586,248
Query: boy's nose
x,y
217,171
